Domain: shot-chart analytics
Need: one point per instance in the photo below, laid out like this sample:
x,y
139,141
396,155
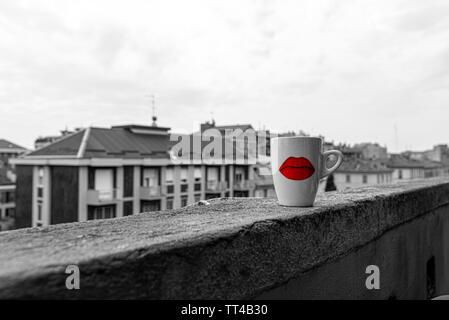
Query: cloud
x,y
349,70
422,19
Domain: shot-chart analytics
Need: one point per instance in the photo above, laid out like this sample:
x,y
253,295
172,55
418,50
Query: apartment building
x,y
355,173
264,186
406,167
98,173
44,141
8,151
372,150
7,201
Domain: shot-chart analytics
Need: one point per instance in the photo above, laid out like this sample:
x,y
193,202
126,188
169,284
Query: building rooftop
x,y
134,142
113,142
211,125
402,161
234,127
6,146
350,165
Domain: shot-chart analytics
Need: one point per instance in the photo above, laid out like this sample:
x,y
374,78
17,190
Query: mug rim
x,y
297,137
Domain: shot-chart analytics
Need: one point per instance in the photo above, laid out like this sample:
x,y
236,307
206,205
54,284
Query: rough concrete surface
x,y
231,248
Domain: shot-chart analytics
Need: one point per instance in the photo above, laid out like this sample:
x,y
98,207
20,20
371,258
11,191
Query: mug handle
x,y
327,171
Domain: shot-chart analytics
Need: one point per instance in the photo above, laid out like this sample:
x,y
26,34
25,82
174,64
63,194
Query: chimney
x,y
207,125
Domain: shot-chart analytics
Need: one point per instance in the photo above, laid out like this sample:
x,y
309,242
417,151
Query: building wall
x,y
356,179
413,262
24,196
7,206
7,198
374,152
64,194
407,173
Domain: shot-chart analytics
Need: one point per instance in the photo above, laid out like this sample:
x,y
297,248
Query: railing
x,y
213,185
102,196
246,248
150,192
244,184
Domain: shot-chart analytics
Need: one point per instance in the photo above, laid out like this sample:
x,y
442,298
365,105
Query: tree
x,y
330,185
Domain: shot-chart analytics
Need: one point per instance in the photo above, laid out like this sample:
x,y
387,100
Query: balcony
x,y
148,193
245,249
102,197
244,185
216,186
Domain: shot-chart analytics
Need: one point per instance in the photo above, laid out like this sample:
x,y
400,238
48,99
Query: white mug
x,y
298,164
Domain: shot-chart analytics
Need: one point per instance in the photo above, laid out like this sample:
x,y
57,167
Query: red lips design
x,y
297,168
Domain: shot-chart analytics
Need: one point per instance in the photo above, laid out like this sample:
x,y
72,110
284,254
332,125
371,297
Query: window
x,y
10,212
213,174
39,211
197,186
169,175
184,174
183,201
128,181
104,180
150,177
149,206
239,174
10,196
103,212
170,189
365,178
348,178
127,208
259,193
40,176
40,192
197,174
184,187
197,197
400,174
169,203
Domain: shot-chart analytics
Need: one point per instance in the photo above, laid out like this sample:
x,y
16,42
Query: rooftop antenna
x,y
212,117
396,137
153,108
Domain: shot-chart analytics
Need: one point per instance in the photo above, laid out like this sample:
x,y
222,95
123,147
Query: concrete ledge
x,y
232,248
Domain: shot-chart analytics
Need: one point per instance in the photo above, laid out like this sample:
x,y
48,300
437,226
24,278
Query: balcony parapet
x,y
150,192
244,185
243,248
216,186
102,197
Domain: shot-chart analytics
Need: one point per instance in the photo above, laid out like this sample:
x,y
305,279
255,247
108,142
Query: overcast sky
x,y
349,70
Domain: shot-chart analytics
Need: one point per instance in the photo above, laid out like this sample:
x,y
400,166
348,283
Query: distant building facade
x,y
99,173
7,202
355,173
8,152
372,151
439,153
44,141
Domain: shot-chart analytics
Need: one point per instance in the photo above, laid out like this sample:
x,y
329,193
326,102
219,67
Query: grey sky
x,y
350,70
